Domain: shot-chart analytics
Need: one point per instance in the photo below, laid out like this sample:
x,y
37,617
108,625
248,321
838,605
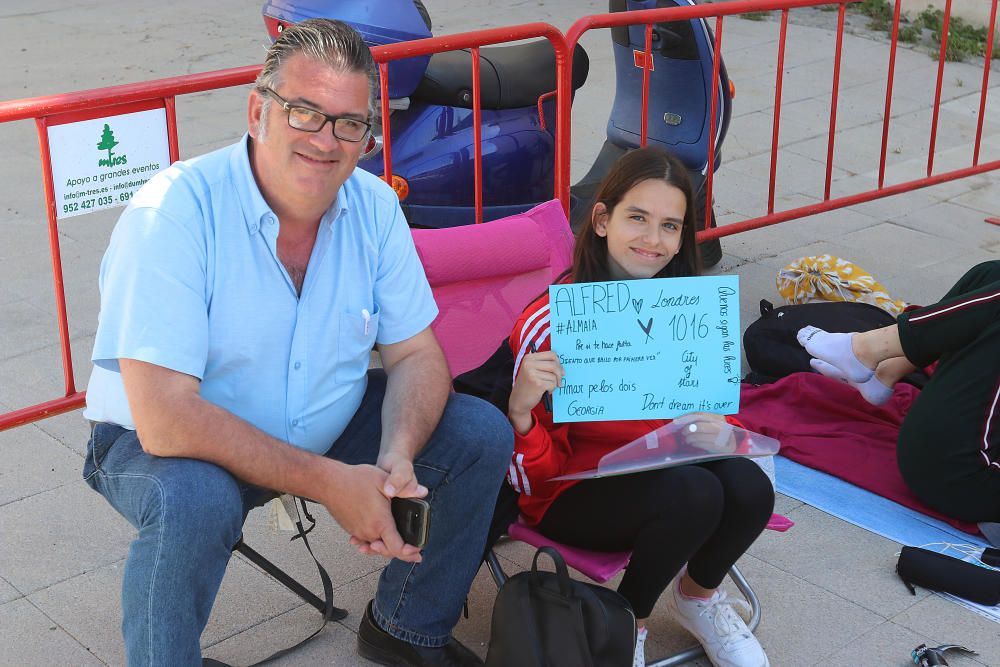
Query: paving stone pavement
x,y
828,589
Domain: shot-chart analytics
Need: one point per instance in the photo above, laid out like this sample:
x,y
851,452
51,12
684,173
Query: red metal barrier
x,y
651,16
881,190
990,36
779,77
69,107
94,103
473,41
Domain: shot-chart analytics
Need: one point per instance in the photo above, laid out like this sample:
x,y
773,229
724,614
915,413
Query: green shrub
x,y
964,40
910,33
879,11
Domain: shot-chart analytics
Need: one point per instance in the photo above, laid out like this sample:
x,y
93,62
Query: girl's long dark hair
x,y
590,256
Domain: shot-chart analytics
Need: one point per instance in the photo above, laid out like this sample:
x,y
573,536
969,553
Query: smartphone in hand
x,y
413,520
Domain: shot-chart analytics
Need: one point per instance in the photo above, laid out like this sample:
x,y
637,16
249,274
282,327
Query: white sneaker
x,y
640,653
716,625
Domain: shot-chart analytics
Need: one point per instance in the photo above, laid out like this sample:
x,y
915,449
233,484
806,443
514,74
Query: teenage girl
x,y
704,515
949,443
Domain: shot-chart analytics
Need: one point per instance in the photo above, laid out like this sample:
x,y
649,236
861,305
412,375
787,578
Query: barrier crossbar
x,y
92,103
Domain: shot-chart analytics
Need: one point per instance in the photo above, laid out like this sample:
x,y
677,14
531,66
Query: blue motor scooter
x,y
431,103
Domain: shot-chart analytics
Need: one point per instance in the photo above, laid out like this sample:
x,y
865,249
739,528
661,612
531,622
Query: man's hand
x,y
360,506
401,481
416,392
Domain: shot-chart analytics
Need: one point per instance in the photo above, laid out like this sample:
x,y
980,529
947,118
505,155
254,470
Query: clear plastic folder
x,y
687,439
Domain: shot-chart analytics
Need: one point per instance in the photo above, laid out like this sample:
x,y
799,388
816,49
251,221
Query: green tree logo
x,y
106,144
107,141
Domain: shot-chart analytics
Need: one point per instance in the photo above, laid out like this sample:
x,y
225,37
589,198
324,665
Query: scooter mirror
x,y
373,147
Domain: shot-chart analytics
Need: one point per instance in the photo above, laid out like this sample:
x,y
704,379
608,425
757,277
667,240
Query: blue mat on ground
x,y
874,513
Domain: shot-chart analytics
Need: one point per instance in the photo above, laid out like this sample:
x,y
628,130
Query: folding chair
x,y
482,277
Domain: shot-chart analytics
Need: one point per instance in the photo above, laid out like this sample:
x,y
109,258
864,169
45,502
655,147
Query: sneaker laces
x,y
728,624
639,659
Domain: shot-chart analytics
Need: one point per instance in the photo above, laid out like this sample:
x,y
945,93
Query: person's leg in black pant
x,y
694,599
749,502
954,323
708,513
949,444
705,514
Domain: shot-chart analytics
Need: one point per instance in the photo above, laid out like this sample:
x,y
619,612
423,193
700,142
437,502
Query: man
x,y
241,295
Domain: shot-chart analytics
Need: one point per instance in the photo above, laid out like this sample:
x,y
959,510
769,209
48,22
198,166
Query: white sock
x,y
835,349
872,390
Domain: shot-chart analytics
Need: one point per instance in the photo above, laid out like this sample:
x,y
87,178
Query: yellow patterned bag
x,y
829,278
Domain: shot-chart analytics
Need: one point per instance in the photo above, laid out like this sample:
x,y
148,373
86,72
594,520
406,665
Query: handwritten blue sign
x,y
646,349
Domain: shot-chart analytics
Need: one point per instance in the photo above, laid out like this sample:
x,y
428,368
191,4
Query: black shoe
x,y
379,646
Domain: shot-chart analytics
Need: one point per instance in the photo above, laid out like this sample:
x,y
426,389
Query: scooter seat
x,y
510,76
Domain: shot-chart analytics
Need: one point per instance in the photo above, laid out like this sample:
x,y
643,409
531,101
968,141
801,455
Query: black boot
x,y
379,646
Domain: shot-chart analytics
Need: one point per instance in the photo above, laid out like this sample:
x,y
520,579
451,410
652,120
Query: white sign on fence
x,y
100,163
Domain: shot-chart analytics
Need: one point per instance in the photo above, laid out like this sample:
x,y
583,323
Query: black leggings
x,y
705,515
949,443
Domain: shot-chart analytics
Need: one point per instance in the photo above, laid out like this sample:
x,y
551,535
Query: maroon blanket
x,y
825,424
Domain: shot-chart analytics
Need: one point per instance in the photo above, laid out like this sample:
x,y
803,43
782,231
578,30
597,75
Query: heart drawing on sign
x,y
637,304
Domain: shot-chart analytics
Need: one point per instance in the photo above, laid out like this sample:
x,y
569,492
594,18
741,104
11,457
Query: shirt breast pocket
x,y
354,344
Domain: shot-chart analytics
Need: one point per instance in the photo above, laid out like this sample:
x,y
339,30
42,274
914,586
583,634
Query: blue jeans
x,y
190,513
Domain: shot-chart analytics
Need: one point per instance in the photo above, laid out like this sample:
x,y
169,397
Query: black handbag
x,y
546,619
939,572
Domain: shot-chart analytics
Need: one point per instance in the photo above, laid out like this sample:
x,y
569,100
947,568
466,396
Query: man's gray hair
x,y
327,41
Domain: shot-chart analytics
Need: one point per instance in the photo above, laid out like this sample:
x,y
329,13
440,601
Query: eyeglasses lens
x,y
349,129
309,120
305,119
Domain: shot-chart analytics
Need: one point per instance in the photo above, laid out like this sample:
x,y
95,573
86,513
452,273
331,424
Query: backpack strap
x,y
564,613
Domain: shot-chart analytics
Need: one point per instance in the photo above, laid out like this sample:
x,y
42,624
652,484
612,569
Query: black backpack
x,y
771,347
546,619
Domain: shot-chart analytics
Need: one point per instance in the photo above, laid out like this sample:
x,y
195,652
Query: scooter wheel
x,y
711,251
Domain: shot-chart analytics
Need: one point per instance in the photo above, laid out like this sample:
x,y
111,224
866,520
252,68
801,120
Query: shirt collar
x,y
255,208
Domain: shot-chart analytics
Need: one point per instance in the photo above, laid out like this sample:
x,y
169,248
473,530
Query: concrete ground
x,y
828,588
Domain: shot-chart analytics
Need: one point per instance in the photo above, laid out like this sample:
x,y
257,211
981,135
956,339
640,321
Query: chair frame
x,y
287,580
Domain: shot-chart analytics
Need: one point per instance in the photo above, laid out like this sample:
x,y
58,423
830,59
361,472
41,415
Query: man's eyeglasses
x,y
311,120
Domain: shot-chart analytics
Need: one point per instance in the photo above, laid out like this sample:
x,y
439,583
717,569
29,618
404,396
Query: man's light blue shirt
x,y
191,281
